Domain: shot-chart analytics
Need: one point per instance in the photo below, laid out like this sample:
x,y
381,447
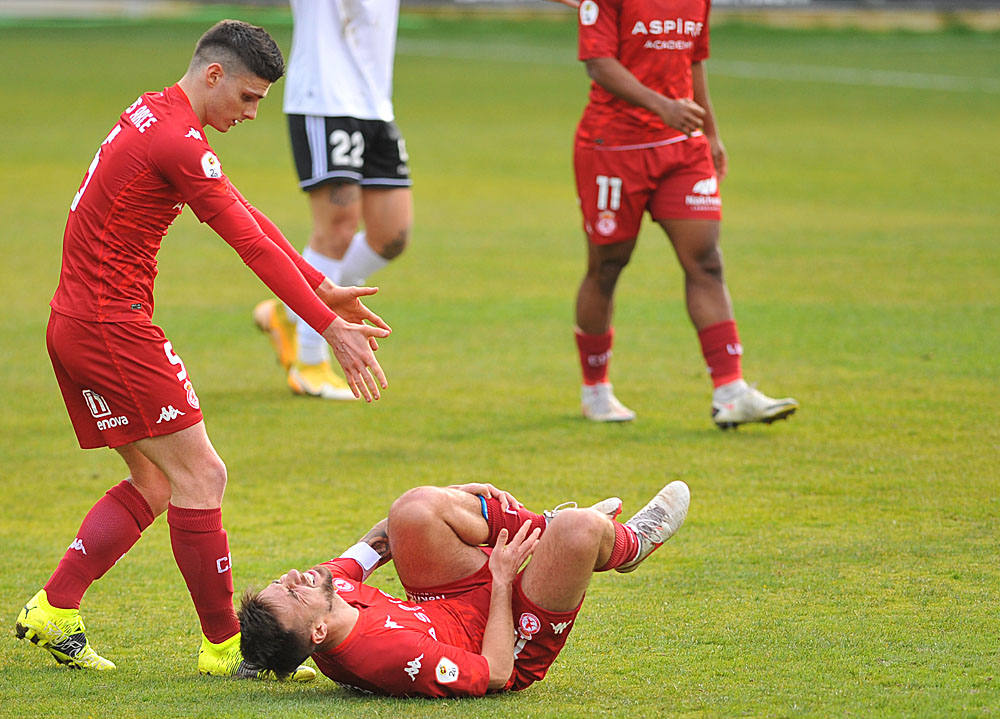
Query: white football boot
x,y
657,522
600,404
738,403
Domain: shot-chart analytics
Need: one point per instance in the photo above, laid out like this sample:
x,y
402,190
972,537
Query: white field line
x,y
861,77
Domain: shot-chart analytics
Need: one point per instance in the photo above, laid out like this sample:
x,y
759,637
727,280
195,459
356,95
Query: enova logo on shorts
x,y
101,411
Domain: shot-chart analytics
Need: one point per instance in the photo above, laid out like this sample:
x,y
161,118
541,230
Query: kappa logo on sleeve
x,y
588,12
211,166
446,671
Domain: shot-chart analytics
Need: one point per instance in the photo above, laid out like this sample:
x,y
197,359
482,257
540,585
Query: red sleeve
x,y
237,226
313,276
346,568
598,29
700,50
191,167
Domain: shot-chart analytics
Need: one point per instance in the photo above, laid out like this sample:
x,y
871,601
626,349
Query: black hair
x,y
249,45
264,643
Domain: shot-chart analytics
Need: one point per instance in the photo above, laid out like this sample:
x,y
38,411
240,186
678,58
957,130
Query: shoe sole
x,y
781,414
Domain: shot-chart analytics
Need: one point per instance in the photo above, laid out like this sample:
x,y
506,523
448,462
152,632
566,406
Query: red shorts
x,y
120,381
674,180
461,610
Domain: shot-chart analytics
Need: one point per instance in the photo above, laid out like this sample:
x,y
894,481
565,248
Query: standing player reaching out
x,y
648,141
472,622
124,385
351,161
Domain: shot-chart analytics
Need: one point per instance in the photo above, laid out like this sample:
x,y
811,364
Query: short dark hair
x,y
249,45
263,642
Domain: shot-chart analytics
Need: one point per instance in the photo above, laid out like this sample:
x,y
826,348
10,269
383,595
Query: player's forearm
x,y
609,73
498,637
313,276
237,227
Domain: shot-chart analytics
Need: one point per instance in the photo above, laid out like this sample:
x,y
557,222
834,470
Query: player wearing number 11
x,y
648,141
123,384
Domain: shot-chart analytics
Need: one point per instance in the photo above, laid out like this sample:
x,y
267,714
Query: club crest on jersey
x,y
528,625
588,12
211,166
342,585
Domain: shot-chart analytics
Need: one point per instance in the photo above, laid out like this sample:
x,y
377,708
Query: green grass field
x,y
844,563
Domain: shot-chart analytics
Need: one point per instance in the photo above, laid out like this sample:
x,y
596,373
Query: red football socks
x,y
110,529
511,520
595,353
721,348
201,550
626,547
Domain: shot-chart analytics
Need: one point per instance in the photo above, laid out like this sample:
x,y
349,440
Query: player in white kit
x,y
351,160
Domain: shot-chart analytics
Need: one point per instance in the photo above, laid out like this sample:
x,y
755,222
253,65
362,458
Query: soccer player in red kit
x,y
472,622
124,384
648,141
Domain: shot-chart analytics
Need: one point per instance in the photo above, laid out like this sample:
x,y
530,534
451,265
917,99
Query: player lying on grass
x,y
472,623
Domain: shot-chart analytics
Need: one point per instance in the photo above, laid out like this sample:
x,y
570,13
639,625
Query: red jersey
x,y
153,162
401,648
657,41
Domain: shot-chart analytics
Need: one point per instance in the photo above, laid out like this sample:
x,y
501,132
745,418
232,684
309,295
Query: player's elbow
x,y
499,675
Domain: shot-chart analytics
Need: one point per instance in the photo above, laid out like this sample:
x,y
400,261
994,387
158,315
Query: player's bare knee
x,y
577,530
416,506
393,246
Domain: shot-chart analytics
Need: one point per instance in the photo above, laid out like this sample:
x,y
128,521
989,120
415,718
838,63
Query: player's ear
x,y
318,633
213,74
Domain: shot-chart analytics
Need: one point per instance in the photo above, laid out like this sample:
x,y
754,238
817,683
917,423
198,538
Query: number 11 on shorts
x,y
609,192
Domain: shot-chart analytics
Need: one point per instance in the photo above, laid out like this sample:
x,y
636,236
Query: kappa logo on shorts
x,y
193,133
560,627
169,414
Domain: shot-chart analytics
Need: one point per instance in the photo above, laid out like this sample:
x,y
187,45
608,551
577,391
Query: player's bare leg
x,y
434,533
710,308
388,219
594,336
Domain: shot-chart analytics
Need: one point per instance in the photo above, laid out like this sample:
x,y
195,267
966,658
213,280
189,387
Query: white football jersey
x,y
341,58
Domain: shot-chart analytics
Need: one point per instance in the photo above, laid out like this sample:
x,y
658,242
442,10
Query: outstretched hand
x,y
354,346
506,558
346,302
